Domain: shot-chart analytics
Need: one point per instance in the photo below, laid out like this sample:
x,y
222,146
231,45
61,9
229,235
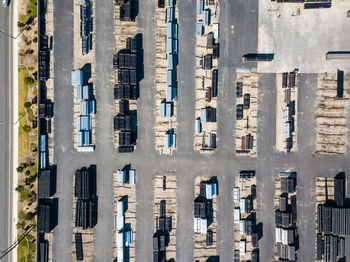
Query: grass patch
x,y
22,250
32,6
23,133
24,195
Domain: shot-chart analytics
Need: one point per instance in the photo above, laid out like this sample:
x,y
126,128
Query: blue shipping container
x,y
80,138
171,61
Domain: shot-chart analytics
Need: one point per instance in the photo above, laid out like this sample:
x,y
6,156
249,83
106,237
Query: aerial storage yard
x,y
126,64
245,229
246,114
83,76
333,218
124,214
286,111
205,224
206,74
166,84
285,205
331,113
165,219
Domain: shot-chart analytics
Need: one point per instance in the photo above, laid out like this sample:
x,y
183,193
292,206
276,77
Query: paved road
x,y
5,112
239,35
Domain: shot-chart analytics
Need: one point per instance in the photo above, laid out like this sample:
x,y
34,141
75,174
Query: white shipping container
x,y
216,30
242,247
236,215
242,205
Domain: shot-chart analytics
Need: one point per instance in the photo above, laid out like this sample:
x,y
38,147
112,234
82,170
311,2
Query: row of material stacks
x,y
208,53
44,59
46,211
87,108
244,196
126,62
85,25
160,238
286,233
289,82
166,107
203,206
123,234
84,191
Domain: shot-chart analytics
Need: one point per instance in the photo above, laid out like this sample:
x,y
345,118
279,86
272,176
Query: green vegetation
x,y
23,136
25,195
22,250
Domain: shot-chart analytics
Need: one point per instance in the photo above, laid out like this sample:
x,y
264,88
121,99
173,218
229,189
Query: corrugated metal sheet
x,y
169,30
170,77
170,14
199,28
92,107
171,61
169,110
87,138
174,92
85,123
162,109
169,93
128,238
43,143
86,93
80,138
169,45
174,46
43,160
286,130
206,17
200,6
198,127
77,78
84,107
132,176
242,247
174,31
171,3
216,30
203,114
79,94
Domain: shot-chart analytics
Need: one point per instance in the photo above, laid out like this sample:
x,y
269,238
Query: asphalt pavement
x,y
239,23
5,111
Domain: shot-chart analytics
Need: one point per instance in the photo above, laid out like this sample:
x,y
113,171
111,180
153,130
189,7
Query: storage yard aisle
x,y
224,216
145,103
144,212
184,232
265,194
63,52
186,92
103,235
